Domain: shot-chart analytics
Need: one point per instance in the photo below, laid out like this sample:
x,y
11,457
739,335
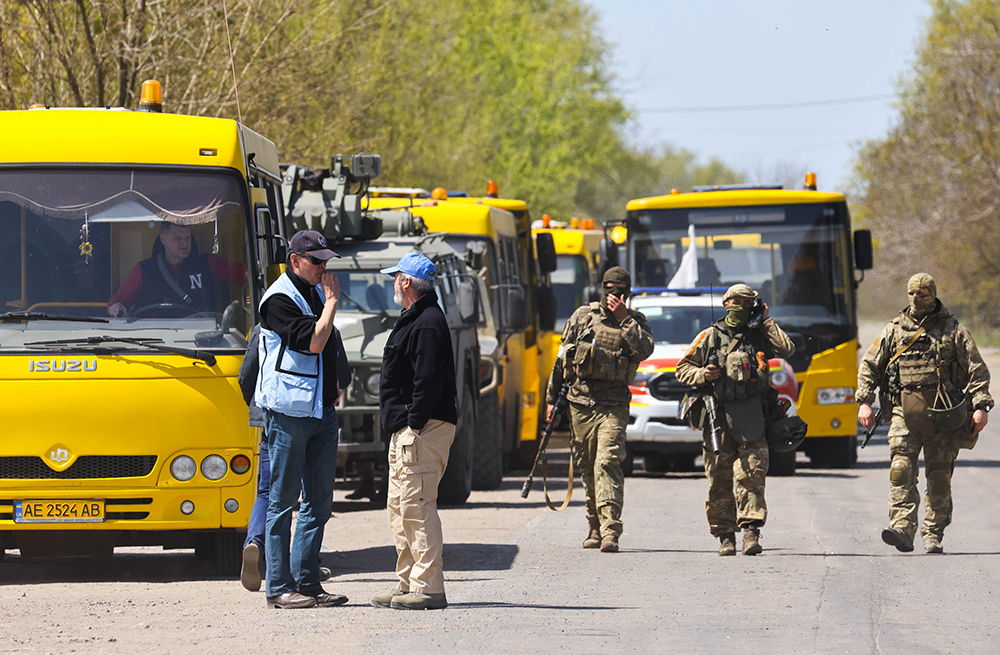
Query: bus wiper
x,y
42,316
206,357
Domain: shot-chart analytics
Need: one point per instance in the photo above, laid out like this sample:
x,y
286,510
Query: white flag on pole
x,y
686,276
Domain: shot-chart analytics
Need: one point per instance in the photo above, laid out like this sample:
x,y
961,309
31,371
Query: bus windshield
x,y
152,255
797,256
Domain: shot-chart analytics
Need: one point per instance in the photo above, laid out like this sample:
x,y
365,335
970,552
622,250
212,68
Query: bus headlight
x,y
371,383
779,377
835,395
183,468
214,467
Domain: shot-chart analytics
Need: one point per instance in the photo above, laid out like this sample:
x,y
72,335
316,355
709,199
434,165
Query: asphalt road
x,y
519,582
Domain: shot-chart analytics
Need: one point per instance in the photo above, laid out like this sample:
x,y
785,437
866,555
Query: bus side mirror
x,y
863,257
545,300
517,308
546,252
609,256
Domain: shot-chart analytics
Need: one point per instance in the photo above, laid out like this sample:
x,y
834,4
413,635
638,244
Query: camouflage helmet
x,y
785,434
739,291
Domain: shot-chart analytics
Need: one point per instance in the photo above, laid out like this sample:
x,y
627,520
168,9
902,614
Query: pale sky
x,y
672,55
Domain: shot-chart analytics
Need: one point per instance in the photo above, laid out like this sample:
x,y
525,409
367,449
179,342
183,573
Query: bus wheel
x,y
456,484
229,552
487,447
782,464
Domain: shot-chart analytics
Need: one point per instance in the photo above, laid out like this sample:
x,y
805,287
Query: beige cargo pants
x,y
416,464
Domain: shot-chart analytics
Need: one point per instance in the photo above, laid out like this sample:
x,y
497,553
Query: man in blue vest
x,y
297,389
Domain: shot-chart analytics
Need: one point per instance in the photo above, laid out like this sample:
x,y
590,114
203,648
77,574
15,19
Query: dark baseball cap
x,y
311,242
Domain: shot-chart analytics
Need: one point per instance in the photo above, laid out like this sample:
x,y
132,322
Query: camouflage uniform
x,y
727,511
946,349
604,361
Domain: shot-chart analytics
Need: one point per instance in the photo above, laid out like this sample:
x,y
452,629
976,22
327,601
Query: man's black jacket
x,y
418,369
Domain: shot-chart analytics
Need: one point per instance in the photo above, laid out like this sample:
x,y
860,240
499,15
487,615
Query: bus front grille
x,y
84,468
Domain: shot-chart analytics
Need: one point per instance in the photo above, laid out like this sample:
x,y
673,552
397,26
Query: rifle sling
x,y
569,487
906,346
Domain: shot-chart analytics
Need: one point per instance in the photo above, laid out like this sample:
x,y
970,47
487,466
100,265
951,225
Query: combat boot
x,y
593,539
385,599
751,540
609,544
418,601
728,545
898,538
932,544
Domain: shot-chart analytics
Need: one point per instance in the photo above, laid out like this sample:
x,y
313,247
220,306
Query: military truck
x,y
368,241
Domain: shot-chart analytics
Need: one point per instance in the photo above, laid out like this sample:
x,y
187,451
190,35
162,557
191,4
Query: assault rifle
x,y
557,410
712,410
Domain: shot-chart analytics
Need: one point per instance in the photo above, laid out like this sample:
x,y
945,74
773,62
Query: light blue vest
x,y
290,382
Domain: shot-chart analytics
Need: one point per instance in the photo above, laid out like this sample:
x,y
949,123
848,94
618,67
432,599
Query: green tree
x,y
930,191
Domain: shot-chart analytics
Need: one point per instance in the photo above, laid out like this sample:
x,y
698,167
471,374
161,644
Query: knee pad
x,y
899,472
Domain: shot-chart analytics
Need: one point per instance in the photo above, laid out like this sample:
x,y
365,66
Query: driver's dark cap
x,y
311,242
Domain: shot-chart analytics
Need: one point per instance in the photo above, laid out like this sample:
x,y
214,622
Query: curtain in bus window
x,y
113,196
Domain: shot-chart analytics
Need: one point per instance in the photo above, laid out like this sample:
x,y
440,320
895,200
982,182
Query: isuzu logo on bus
x,y
61,365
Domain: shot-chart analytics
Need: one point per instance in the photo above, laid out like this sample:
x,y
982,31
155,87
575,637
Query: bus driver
x,y
176,274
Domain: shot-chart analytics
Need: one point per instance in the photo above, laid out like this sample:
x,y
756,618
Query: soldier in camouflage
x,y
738,384
923,359
603,345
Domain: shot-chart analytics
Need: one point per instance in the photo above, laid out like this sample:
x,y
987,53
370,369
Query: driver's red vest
x,y
195,280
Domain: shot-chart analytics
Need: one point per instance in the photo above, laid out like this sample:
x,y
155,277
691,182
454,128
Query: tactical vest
x,y
934,353
195,280
741,379
601,352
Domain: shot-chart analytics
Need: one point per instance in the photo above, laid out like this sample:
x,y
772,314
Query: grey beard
x,y
398,299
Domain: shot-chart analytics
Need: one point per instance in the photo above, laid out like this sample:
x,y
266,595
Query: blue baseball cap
x,y
413,264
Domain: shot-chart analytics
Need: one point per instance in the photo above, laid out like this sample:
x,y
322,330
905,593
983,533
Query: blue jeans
x,y
258,513
303,457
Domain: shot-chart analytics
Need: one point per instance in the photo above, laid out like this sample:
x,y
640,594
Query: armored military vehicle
x,y
368,241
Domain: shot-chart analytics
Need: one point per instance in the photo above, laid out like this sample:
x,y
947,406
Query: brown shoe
x,y
250,572
728,545
593,539
291,600
932,545
609,544
324,599
751,541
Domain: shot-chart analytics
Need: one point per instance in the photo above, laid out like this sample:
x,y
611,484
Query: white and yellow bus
x,y
123,421
797,249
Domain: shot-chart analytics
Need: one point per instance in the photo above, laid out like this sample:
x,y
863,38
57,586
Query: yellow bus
x,y
576,276
495,236
796,248
526,265
130,270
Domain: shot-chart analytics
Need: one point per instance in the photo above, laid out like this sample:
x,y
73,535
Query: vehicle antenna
x,y
232,61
